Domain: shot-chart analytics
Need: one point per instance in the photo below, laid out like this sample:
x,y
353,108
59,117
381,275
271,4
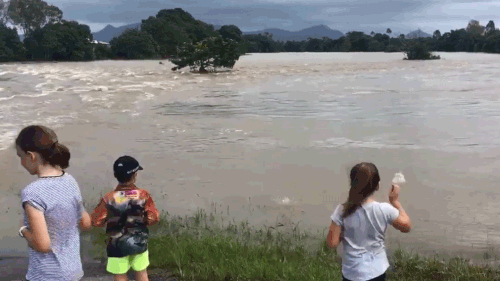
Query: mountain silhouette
x,y
107,33
317,32
417,34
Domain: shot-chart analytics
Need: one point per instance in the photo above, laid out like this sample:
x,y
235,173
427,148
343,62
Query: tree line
x,y
175,34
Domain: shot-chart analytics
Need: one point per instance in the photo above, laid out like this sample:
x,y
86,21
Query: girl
x,y
53,208
361,224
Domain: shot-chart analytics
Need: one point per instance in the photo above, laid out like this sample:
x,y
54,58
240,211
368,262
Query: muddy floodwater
x,y
273,139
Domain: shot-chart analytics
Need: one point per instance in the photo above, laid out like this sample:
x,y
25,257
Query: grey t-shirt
x,y
60,200
364,236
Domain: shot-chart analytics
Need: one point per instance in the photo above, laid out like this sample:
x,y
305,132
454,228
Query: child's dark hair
x,y
123,178
44,141
364,182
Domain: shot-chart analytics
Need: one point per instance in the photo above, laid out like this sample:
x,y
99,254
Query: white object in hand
x,y
399,178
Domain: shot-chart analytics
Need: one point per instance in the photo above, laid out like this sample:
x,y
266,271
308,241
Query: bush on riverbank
x,y
208,247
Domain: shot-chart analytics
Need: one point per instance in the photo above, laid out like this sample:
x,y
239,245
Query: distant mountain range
x,y
316,32
319,31
107,33
417,34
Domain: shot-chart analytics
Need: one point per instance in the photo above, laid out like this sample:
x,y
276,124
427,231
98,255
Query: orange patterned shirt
x,y
126,220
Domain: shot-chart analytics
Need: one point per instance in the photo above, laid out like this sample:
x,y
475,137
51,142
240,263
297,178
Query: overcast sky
x,y
249,15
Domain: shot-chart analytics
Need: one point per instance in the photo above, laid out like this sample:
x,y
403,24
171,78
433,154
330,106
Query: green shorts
x,y
122,265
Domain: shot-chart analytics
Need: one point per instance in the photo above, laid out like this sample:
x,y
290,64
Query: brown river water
x,y
274,138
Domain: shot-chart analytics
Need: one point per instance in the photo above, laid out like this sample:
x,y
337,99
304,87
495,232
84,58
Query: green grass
x,y
205,247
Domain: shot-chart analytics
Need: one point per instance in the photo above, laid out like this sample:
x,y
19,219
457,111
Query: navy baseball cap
x,y
126,165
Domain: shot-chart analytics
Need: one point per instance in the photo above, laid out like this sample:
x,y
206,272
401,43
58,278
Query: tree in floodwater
x,y
418,50
207,55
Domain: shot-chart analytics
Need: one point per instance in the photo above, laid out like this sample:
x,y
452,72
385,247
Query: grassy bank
x,y
205,247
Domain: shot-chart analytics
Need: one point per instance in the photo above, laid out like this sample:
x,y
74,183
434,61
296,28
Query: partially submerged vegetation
x,y
418,50
171,31
208,247
208,55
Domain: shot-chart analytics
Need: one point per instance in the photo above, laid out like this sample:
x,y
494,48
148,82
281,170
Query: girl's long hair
x,y
44,141
364,182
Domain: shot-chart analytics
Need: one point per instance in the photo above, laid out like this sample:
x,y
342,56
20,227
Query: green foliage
x,y
231,32
475,28
10,46
234,33
102,52
134,44
210,53
173,27
213,247
32,14
65,40
292,46
418,50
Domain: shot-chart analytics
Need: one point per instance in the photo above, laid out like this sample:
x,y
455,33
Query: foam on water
x,y
7,138
285,200
7,98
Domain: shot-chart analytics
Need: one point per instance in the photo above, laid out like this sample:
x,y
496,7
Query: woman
x,y
53,208
361,224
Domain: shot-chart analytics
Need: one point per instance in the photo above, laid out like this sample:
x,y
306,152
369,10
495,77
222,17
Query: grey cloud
x,y
346,16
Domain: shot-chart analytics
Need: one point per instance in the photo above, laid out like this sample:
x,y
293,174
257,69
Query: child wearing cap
x,y
126,212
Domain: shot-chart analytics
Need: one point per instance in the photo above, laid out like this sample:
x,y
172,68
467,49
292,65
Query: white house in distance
x,y
100,42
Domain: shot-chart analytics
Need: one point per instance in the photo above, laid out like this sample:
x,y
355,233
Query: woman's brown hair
x,y
364,182
44,141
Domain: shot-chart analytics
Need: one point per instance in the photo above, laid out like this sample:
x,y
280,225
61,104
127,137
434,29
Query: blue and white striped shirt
x,y
60,200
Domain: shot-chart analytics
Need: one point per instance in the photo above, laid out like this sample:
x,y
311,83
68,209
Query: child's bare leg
x,y
142,275
121,277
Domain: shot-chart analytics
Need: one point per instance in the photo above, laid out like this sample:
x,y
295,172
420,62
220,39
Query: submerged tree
x,y
418,50
208,54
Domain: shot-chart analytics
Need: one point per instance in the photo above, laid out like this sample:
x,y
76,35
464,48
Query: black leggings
x,y
380,278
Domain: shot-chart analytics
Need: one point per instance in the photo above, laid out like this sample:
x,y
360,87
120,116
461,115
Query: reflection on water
x,y
279,126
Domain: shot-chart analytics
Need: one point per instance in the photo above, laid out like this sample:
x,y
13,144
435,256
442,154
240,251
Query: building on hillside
x,y
100,42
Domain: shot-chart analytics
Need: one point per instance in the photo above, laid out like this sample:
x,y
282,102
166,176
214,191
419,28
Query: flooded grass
x,y
211,247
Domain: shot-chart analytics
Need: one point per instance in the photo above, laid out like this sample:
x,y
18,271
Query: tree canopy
x,y
172,28
32,14
64,40
209,54
11,49
134,44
